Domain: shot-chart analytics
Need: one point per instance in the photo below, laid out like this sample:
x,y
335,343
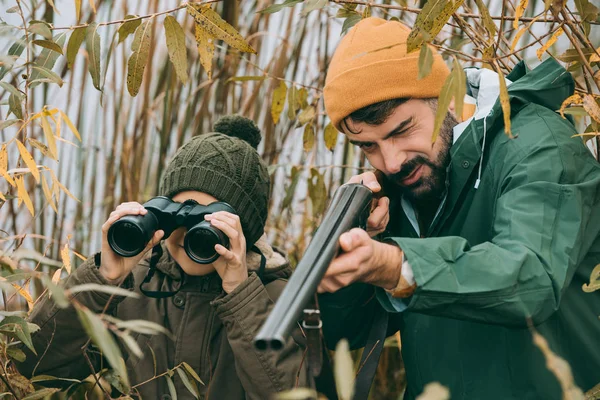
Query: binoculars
x,y
130,235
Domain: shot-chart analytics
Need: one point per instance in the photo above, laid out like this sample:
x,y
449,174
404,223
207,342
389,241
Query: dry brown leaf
x,y
56,276
66,258
519,12
573,99
592,108
540,52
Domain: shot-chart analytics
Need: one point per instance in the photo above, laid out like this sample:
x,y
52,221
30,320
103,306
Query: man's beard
x,y
432,186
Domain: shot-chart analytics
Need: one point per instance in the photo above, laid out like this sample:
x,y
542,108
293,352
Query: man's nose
x,y
393,161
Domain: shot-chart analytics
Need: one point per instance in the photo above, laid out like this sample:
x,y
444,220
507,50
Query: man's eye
x,y
366,146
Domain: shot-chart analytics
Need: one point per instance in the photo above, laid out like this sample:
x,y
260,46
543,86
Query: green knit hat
x,y
226,165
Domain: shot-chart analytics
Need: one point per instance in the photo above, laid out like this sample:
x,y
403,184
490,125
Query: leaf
x,y
40,394
308,139
587,11
191,371
350,22
292,102
425,62
171,387
573,99
40,28
297,394
343,370
14,51
53,6
138,60
23,195
519,12
434,391
44,378
504,102
78,9
595,57
12,89
317,192
594,281
59,185
65,257
49,135
20,327
132,345
48,44
40,146
307,115
48,194
217,27
278,101
176,46
128,27
7,123
56,292
278,7
92,44
540,52
206,49
460,88
75,41
446,94
311,5
70,125
3,158
190,385
109,289
16,354
15,106
430,21
289,192
115,381
488,22
140,326
28,159
45,75
592,108
102,338
330,135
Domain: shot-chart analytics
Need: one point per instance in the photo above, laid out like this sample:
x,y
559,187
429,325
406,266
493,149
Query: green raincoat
x,y
499,261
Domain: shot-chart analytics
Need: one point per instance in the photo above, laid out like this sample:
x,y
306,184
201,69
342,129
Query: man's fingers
x,y
378,216
368,179
227,255
353,238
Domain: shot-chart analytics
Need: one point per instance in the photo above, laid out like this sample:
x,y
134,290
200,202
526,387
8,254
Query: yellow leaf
x,y
443,103
58,123
488,22
217,27
64,189
574,99
21,290
3,158
176,46
278,102
592,108
56,276
460,87
29,161
504,101
307,115
50,138
48,194
78,9
519,12
139,58
2,197
66,258
73,45
594,281
540,52
206,49
70,125
81,257
330,135
8,178
430,21
425,62
23,195
595,57
128,27
308,139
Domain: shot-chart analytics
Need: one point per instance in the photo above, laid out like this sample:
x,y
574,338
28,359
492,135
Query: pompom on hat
x,y
226,165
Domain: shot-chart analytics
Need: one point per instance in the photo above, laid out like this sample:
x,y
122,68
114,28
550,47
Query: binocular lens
x,y
126,238
200,243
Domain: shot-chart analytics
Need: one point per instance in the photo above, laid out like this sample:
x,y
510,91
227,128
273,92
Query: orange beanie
x,y
371,65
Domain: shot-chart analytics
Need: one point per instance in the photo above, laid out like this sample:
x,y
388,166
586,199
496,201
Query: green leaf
x,y
278,101
128,27
74,44
425,62
190,385
171,386
430,21
191,371
311,5
576,112
104,340
16,354
92,44
12,10
292,102
343,370
278,7
21,329
41,28
289,192
308,139
45,75
176,46
350,22
217,27
307,115
46,60
138,60
488,22
14,51
317,192
247,78
40,394
586,10
109,289
48,44
55,292
15,106
13,90
330,135
444,100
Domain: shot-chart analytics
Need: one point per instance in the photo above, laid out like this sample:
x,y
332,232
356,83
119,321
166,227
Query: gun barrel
x,y
348,209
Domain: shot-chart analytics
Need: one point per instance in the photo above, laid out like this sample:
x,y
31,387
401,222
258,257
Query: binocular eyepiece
x,y
130,235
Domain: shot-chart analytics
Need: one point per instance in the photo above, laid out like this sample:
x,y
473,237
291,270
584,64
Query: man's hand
x,y
380,212
363,260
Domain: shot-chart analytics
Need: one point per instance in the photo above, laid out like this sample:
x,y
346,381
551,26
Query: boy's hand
x,y
380,210
231,266
114,267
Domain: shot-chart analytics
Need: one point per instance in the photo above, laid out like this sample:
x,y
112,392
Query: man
x,y
483,238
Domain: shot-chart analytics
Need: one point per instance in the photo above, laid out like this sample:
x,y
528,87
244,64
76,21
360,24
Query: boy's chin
x,y
193,268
